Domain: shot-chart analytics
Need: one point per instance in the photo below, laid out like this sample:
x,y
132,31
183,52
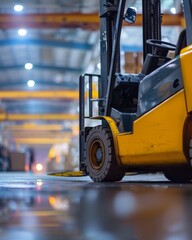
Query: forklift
x,y
142,122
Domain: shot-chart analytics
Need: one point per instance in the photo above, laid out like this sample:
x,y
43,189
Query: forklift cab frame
x,y
128,104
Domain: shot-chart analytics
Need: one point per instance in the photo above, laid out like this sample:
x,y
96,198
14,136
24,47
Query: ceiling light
x,y
28,66
18,8
22,32
31,83
173,10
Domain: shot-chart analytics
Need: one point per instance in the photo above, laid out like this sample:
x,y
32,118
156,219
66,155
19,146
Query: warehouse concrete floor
x,y
141,207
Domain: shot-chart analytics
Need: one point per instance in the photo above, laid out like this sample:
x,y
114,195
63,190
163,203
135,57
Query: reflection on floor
x,y
143,207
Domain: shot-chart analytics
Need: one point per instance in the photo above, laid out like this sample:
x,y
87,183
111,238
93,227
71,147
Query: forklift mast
x,y
111,14
188,19
111,18
151,12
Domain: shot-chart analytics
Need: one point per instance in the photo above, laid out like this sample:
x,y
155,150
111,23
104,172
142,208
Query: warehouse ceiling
x,y
43,50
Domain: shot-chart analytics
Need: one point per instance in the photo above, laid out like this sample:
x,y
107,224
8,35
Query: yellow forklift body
x,y
149,114
157,137
186,67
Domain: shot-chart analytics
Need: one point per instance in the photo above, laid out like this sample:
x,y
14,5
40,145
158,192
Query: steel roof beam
x,y
44,43
66,85
43,67
50,20
70,20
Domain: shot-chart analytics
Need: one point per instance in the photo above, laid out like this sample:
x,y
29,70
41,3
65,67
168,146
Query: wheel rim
x,y
96,154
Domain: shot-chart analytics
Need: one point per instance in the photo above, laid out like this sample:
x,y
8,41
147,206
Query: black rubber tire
x,y
100,161
179,174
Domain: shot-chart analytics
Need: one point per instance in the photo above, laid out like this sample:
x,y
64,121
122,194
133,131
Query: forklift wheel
x,y
100,160
179,175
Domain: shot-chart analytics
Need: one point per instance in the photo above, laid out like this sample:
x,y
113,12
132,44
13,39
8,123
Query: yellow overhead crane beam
x,y
53,94
47,117
41,141
71,20
38,138
42,134
35,127
43,94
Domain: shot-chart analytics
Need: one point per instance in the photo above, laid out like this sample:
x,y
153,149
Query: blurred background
x,y
45,45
